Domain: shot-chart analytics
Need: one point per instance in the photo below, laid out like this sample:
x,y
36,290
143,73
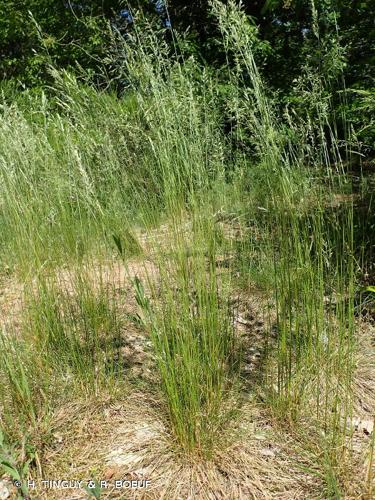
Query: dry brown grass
x,y
127,438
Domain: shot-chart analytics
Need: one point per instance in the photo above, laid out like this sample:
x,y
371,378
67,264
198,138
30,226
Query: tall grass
x,y
191,325
83,172
67,342
312,250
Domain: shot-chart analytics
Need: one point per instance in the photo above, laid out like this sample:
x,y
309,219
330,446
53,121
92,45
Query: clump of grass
x,y
191,325
76,326
68,341
21,388
312,250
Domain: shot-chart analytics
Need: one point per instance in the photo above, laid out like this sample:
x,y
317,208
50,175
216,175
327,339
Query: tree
x,y
34,33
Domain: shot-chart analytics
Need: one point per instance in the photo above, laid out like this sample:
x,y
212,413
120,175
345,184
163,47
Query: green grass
x,y
192,328
84,174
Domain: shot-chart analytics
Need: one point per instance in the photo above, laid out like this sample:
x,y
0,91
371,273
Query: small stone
x,y
4,490
267,452
58,437
367,426
110,473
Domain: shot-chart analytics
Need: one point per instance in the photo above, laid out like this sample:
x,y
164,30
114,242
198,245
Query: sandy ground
x,y
125,437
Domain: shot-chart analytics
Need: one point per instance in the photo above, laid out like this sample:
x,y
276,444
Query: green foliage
x,y
91,182
10,465
38,33
361,114
287,37
94,491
